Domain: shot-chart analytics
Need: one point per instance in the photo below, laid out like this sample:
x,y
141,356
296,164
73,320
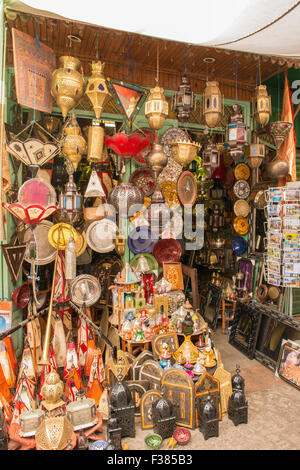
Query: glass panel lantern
x,y
211,157
237,133
262,105
156,108
70,201
255,154
212,104
183,100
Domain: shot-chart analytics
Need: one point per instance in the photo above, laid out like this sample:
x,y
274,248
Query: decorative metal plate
x,y
242,171
100,235
241,225
144,179
45,252
187,189
85,290
241,208
241,189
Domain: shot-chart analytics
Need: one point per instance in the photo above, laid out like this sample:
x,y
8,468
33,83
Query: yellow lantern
x,y
156,108
95,143
96,89
262,105
73,145
212,104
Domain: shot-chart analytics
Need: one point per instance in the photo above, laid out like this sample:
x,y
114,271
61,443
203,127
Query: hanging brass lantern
x,y
212,104
73,145
156,108
262,105
96,89
183,100
157,159
67,84
95,143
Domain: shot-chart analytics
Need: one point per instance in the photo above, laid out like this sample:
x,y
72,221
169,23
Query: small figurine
x,y
199,368
165,355
188,325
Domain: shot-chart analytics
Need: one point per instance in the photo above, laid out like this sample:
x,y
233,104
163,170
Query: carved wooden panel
x,y
151,371
138,362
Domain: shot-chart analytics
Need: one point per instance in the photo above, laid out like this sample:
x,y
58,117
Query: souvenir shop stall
x,y
143,208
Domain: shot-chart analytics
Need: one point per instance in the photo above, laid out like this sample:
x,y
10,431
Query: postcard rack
x,y
282,242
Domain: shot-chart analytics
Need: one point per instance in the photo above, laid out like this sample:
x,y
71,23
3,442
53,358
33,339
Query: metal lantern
x,y
212,104
255,154
237,404
208,418
183,102
163,417
70,201
237,133
262,105
210,157
123,196
96,88
184,152
82,413
73,145
156,108
122,407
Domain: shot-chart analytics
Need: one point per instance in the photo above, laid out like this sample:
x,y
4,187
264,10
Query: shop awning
x,y
255,26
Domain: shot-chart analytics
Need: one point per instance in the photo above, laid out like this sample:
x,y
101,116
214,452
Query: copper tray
x,y
187,189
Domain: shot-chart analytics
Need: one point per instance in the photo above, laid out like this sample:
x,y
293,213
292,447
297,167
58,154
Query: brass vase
x,y
157,159
73,145
96,89
67,84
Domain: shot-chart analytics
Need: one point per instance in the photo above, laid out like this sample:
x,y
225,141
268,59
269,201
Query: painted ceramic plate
x,y
59,235
242,171
241,189
241,207
141,240
101,234
241,225
144,179
239,245
187,189
167,250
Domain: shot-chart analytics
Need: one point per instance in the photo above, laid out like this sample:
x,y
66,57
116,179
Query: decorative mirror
x,y
212,305
245,327
274,328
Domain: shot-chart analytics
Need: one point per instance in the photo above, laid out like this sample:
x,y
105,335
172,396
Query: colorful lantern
x,y
127,146
237,133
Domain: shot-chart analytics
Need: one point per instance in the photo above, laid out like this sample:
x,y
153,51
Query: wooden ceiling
x,y
132,58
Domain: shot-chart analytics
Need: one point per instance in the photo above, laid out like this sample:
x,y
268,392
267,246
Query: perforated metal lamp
x,y
237,133
183,101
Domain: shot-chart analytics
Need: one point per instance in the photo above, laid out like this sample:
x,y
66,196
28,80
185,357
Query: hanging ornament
x,y
96,89
67,84
255,153
237,133
70,202
184,152
27,365
71,360
156,108
83,339
73,144
157,159
94,187
47,370
73,384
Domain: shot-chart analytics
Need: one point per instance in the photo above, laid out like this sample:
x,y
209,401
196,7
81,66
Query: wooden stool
x,y
230,306
135,348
